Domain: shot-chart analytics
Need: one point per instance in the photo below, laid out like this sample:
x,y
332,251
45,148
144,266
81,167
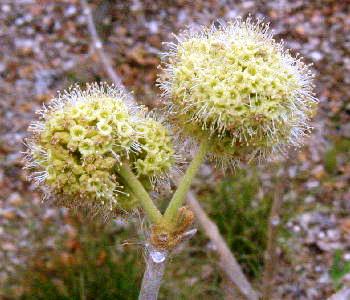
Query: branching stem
x,y
108,67
141,194
185,183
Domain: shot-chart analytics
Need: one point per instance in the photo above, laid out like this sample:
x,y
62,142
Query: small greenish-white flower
x,y
157,151
236,86
83,136
77,133
104,128
87,147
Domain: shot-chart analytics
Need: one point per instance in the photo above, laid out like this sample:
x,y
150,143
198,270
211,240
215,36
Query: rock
x,y
329,246
15,199
316,56
345,130
8,213
311,184
7,246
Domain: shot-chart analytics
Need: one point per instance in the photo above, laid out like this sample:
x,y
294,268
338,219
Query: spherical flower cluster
x,y
81,138
236,86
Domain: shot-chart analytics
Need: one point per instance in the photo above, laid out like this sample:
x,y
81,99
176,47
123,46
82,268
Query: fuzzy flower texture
x,y
83,136
236,86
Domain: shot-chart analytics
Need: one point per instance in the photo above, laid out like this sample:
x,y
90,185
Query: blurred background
x,y
49,253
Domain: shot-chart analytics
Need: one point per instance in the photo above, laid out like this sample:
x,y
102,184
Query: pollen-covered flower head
x,y
235,85
157,152
81,138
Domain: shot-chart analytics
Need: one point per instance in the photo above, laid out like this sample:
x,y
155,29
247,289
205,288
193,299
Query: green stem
x,y
141,194
185,183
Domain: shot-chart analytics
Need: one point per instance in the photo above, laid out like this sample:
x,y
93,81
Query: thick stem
x,y
141,194
152,278
185,183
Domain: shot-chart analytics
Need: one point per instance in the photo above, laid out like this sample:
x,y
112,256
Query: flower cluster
x,y
237,86
156,144
81,138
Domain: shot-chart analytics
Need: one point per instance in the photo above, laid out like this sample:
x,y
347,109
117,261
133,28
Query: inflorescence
x,y
235,85
81,139
232,86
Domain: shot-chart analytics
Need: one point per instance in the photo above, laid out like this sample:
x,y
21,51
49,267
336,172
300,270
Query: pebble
x,y
15,199
71,10
316,56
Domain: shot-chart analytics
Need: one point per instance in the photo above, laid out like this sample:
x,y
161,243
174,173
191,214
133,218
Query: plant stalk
x,y
185,183
152,278
105,62
141,194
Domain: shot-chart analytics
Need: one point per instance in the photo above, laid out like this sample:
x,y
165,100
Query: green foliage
x,y
339,148
241,219
93,265
201,282
330,160
339,269
96,269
